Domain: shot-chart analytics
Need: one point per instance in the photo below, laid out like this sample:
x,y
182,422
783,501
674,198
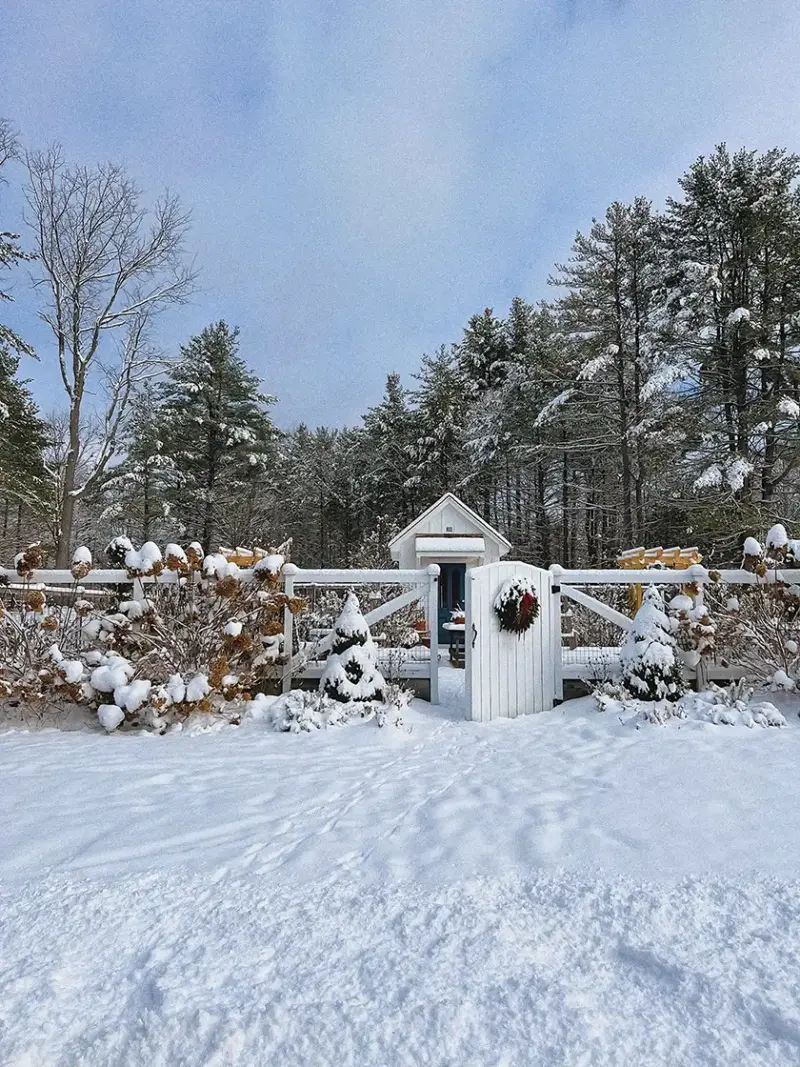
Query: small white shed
x,y
454,536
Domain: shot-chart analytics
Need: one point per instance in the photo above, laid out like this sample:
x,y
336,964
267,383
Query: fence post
x,y
701,670
555,631
289,571
433,627
137,591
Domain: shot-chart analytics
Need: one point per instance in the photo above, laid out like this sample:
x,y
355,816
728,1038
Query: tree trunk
x,y
67,504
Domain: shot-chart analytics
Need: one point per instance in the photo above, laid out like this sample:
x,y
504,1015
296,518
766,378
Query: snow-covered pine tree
x,y
651,668
732,331
10,252
137,492
350,672
23,483
386,440
437,451
614,397
483,352
218,433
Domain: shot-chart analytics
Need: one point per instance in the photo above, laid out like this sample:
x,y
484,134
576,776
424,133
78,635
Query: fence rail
x,y
584,662
423,583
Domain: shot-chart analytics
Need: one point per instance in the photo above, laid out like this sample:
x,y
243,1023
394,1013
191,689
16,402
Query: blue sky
x,y
363,176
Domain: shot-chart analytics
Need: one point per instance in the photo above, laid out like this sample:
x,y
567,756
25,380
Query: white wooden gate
x,y
508,675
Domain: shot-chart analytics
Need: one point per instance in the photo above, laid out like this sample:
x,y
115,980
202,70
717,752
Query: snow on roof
x,y
442,545
452,499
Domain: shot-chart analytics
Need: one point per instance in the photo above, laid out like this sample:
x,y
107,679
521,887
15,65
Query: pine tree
x,y
651,668
732,322
386,442
350,672
11,253
218,433
611,381
25,488
24,485
483,352
137,493
437,451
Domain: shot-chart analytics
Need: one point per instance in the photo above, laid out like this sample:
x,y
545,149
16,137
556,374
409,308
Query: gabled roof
x,y
451,498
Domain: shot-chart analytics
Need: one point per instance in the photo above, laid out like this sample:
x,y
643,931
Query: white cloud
x,y
364,176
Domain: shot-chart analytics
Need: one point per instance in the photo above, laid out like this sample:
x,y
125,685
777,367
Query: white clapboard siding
x,y
507,675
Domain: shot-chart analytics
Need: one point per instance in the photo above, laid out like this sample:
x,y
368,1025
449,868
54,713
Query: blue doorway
x,y
452,581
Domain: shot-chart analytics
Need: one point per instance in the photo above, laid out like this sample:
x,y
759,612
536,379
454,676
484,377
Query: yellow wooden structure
x,y
243,557
640,559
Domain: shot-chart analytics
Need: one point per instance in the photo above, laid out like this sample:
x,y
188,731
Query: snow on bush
x,y
110,716
218,566
350,672
145,561
111,675
734,705
81,563
203,639
133,695
176,559
301,711
760,626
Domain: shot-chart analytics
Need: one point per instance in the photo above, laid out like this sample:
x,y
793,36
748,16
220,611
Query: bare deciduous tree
x,y
108,266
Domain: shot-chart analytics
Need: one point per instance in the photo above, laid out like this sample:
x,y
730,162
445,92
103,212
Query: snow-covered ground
x,y
562,889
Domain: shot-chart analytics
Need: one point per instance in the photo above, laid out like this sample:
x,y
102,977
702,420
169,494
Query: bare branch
x,y
108,266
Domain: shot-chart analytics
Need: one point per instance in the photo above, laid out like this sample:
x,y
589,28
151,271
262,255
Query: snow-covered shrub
x,y
759,627
732,705
302,711
202,638
396,700
694,627
651,669
761,633
350,672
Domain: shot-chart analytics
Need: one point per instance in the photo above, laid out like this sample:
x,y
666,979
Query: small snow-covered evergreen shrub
x,y
301,712
350,672
651,669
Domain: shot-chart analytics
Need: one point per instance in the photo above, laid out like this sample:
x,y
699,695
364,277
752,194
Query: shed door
x,y
451,593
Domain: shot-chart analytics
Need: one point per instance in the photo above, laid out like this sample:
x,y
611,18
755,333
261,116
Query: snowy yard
x,y
562,889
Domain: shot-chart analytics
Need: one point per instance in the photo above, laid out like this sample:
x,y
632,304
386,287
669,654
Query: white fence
x,y
507,676
422,586
303,662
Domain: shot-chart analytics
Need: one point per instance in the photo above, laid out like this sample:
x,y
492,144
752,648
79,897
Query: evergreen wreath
x,y
516,605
